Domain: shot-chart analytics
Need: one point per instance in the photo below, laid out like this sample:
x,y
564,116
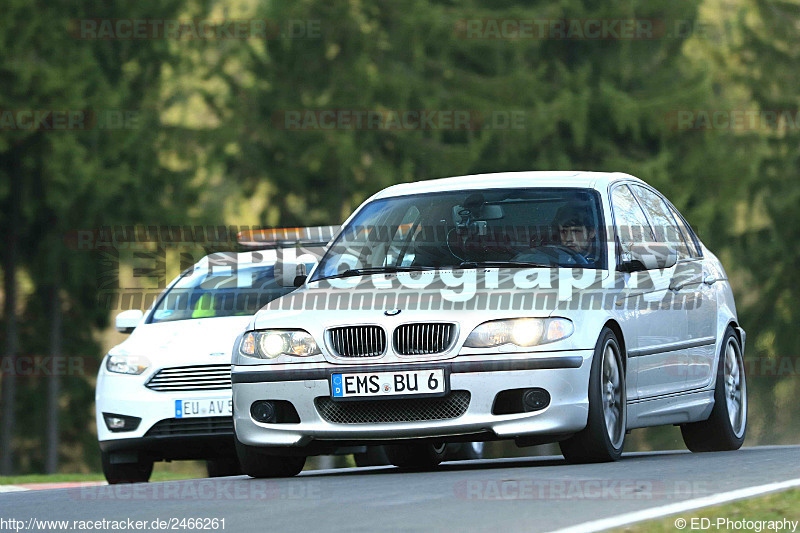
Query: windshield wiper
x,y
388,269
496,264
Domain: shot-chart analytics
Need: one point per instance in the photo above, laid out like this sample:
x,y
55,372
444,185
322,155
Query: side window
x,y
688,233
661,220
631,224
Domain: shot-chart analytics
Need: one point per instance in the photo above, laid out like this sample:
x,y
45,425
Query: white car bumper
x,y
565,375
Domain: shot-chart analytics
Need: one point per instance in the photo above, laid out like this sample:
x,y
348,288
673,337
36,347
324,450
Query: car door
x,y
658,326
695,284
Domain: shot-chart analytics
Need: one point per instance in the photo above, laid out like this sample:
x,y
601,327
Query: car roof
x,y
574,178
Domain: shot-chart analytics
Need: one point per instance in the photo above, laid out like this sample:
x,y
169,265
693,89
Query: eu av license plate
x,y
204,407
381,384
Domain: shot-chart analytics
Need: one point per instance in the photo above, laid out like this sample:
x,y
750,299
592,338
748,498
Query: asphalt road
x,y
531,494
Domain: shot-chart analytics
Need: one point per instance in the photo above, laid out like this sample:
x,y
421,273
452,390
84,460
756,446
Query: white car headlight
x,y
271,343
522,332
127,364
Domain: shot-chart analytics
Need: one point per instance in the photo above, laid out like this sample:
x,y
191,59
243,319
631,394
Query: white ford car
x,y
165,393
567,307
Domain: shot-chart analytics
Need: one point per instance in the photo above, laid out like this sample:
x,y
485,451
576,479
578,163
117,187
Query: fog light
x,y
116,423
535,399
263,411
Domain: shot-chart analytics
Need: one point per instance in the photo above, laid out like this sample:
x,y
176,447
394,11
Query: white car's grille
x,y
400,410
357,341
423,339
192,378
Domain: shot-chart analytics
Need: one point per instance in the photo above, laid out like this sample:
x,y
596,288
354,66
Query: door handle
x,y
709,280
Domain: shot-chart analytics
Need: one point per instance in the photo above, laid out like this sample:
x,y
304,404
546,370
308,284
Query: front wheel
x,y
726,427
465,451
138,472
416,456
604,435
256,463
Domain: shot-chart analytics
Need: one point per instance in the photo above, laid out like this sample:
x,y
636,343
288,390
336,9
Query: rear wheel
x,y
604,435
726,427
256,463
223,467
416,456
138,472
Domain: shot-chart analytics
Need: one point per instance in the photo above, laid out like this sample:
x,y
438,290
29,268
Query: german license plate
x,y
381,384
204,407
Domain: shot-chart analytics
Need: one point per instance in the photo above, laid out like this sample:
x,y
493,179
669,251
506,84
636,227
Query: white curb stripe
x,y
678,507
12,488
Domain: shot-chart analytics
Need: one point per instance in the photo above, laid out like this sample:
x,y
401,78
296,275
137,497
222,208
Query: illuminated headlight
x,y
127,364
271,343
523,332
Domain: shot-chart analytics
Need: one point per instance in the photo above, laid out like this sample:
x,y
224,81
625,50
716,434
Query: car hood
x,y
185,342
434,295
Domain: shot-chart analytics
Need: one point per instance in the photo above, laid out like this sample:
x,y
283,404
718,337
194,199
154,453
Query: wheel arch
x,y
614,326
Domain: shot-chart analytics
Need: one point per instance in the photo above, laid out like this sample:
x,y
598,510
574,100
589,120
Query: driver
x,y
576,231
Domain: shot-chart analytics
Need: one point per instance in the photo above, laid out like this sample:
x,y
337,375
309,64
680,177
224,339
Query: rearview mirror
x,y
649,256
127,321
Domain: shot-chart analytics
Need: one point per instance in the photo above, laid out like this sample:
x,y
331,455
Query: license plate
x,y
379,384
204,407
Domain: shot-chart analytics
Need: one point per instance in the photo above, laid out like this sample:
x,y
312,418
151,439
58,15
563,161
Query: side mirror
x,y
127,321
649,256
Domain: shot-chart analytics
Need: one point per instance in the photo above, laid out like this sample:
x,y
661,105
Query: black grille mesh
x,y
358,341
208,425
400,410
423,339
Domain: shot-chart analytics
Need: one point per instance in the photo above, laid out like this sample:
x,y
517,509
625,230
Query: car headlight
x,y
127,364
523,332
271,343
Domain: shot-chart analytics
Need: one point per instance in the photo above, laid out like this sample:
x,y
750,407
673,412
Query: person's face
x,y
577,238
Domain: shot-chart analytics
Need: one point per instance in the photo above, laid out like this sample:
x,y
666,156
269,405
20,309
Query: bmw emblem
x,y
392,312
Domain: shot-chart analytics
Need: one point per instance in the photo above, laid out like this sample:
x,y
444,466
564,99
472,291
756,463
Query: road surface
x,y
528,494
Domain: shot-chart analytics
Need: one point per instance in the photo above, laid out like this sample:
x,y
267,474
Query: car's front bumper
x,y
565,375
127,395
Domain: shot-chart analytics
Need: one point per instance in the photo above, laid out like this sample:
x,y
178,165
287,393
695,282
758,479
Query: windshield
x,y
219,292
549,227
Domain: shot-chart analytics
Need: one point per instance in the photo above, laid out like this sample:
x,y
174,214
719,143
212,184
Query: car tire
x,y
603,437
223,467
465,451
256,463
116,473
416,456
374,456
725,428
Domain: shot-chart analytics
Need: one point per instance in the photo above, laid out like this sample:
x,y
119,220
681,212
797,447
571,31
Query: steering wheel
x,y
551,252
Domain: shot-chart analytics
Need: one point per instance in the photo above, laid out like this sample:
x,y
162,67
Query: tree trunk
x,y
9,383
53,380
